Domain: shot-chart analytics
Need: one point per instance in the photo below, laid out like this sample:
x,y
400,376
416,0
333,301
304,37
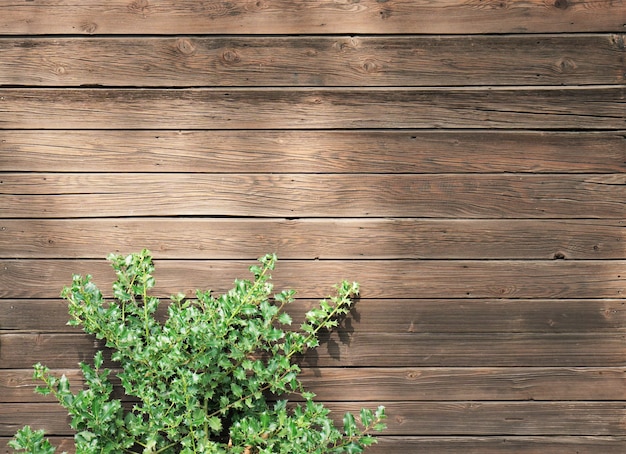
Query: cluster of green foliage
x,y
208,379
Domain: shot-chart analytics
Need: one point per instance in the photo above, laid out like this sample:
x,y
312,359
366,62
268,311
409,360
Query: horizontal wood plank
x,y
314,61
72,195
580,108
498,445
391,316
360,151
379,279
454,445
319,16
314,238
412,418
402,384
496,418
363,349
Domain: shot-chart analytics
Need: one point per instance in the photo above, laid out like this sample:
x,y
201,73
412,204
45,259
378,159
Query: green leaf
x,y
284,318
215,424
349,424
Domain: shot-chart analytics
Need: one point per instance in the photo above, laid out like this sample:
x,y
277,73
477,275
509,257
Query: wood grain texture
x,y
454,445
363,349
314,61
217,238
347,151
581,108
391,316
379,279
319,16
71,195
464,160
401,384
411,418
498,445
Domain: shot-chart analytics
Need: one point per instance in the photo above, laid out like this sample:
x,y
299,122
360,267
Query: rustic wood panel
x,y
454,445
319,16
315,238
404,384
393,316
363,349
314,61
296,195
379,278
345,151
464,160
498,445
427,418
509,418
581,108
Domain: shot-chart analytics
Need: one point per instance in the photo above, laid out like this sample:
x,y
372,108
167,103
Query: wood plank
x,y
379,279
392,316
413,418
314,61
449,384
314,238
499,444
580,108
364,349
319,16
454,445
403,384
496,418
361,151
71,195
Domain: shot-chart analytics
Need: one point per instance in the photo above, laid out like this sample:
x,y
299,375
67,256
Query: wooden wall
x,y
465,161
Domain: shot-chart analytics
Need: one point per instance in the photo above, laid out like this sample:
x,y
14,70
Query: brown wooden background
x,y
465,161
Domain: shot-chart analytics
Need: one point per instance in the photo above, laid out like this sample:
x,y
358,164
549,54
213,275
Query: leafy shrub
x,y
206,379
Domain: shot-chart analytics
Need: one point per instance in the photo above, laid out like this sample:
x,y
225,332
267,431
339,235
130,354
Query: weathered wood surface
x,y
423,418
499,445
315,238
71,195
584,108
404,384
399,316
342,151
366,349
383,279
463,160
314,61
318,16
454,445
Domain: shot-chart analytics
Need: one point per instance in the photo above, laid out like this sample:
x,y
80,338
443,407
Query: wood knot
x,y
565,65
385,13
89,27
231,56
139,7
185,46
561,4
370,66
503,291
619,41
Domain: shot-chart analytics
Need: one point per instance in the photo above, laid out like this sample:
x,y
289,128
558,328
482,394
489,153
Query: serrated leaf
x,y
215,424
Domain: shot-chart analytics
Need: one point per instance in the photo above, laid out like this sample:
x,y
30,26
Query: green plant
x,y
210,378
